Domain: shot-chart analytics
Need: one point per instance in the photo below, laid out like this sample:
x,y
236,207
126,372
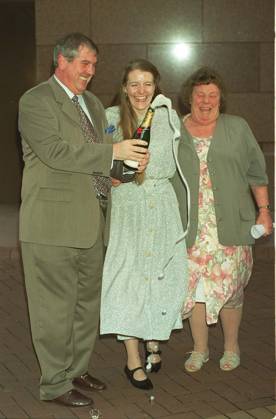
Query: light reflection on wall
x,y
182,52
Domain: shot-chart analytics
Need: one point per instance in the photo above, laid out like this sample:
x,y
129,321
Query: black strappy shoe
x,y
145,384
150,365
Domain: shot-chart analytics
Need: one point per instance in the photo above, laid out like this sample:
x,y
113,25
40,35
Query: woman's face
x,y
205,103
140,89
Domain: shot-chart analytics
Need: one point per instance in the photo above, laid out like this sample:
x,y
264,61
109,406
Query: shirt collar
x,y
67,91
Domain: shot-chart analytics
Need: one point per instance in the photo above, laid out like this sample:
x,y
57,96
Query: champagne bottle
x,y
141,133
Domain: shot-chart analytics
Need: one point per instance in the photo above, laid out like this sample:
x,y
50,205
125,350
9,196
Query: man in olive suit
x,y
61,218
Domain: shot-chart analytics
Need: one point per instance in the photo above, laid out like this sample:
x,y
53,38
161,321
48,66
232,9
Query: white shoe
x,y
196,360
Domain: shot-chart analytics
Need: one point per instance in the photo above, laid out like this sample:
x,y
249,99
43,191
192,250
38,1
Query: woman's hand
x,y
260,193
144,162
265,219
115,182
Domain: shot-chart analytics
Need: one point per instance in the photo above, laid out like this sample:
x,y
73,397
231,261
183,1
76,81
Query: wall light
x,y
181,51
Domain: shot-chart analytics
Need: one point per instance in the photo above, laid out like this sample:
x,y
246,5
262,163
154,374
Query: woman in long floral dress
x,y
224,167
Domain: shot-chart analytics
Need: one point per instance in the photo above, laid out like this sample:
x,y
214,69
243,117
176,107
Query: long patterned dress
x,y
217,274
145,269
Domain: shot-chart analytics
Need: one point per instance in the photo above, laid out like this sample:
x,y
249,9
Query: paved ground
x,y
247,392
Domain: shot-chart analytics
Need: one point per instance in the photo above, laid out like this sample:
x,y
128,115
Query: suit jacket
x,y
235,163
59,206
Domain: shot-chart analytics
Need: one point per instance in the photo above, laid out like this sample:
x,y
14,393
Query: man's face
x,y
77,74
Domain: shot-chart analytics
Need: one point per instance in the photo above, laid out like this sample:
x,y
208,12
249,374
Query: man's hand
x,y
143,163
130,150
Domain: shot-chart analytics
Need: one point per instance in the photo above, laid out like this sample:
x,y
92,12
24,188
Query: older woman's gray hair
x,y
204,75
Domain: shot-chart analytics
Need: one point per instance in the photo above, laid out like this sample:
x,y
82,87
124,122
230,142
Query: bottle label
x,y
131,163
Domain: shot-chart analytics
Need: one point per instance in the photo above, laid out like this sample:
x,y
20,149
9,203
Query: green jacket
x,y
59,206
235,162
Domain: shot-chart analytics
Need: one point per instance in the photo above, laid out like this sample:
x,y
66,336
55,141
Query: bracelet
x,y
264,206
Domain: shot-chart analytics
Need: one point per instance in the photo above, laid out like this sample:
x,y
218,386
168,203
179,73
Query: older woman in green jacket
x,y
224,167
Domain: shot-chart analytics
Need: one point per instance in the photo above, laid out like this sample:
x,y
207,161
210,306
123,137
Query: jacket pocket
x,y
59,179
247,208
55,194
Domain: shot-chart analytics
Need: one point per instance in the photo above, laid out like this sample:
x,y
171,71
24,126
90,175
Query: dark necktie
x,y
101,184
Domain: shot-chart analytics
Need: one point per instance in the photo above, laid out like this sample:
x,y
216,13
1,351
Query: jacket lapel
x,y
186,140
69,108
64,101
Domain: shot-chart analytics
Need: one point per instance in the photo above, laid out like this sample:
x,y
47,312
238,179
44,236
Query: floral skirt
x,y
220,276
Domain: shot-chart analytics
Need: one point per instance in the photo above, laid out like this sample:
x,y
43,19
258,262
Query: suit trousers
x,y
63,288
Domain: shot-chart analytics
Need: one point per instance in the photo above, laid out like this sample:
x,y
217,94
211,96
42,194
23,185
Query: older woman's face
x,y
140,89
205,102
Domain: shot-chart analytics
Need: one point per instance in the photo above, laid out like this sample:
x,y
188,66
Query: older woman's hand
x,y
260,193
265,219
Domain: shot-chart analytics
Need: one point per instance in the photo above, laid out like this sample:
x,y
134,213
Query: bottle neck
x,y
147,119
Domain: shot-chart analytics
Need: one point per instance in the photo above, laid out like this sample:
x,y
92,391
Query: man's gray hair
x,y
68,46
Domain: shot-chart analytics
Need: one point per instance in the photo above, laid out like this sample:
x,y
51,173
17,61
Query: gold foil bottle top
x,y
147,120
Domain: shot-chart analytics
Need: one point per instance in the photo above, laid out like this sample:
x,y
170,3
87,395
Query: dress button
x,y
148,254
164,312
